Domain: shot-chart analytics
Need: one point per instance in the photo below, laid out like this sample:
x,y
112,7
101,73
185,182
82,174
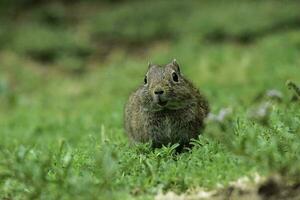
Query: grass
x,y
62,133
192,18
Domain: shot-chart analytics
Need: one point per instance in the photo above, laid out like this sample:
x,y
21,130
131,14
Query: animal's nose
x,y
158,92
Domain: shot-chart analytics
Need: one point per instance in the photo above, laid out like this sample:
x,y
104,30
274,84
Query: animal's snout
x,y
158,91
160,96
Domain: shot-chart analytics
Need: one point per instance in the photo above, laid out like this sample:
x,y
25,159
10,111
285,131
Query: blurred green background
x,y
67,68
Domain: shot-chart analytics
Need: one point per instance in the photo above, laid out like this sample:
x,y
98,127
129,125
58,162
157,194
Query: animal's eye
x,y
175,77
145,80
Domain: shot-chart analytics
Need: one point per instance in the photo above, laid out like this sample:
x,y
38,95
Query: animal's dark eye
x,y
145,80
175,77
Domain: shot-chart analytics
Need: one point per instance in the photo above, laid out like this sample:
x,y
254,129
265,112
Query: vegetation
x,y
65,75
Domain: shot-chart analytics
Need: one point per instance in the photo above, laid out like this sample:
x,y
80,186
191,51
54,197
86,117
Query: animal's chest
x,y
170,126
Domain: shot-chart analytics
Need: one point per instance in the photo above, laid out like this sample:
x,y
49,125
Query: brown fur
x,y
176,116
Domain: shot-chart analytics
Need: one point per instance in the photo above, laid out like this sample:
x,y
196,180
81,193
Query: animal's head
x,y
165,88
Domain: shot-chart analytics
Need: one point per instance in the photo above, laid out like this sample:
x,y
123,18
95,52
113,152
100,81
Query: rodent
x,y
166,109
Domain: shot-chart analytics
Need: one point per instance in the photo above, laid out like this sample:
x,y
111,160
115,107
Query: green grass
x,y
178,19
62,134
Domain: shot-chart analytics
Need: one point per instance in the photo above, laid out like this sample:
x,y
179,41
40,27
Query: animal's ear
x,y
149,64
175,64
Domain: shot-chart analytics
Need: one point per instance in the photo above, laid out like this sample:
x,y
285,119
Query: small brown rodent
x,y
166,109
